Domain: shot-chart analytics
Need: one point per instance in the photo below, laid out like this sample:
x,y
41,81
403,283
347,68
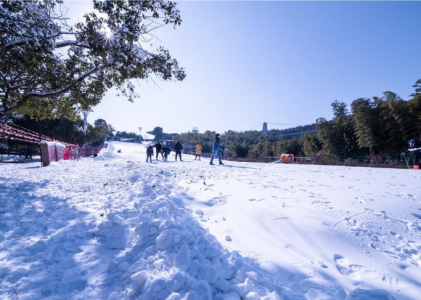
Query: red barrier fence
x,y
12,132
52,151
88,151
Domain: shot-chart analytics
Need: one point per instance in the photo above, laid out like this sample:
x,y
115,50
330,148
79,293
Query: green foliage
x,y
292,146
104,50
311,145
190,140
337,136
381,125
99,122
97,133
237,149
414,106
247,143
126,135
366,119
262,149
417,87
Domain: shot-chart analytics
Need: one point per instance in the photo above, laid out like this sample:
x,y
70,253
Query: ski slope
x,y
116,227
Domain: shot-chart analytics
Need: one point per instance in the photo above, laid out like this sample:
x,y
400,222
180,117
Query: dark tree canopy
x,y
157,132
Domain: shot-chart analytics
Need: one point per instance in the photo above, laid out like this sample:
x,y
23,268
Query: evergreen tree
x,y
311,145
364,123
337,136
291,146
157,132
398,123
414,106
417,87
325,134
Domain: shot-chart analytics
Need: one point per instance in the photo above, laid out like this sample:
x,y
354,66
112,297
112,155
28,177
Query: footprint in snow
x,y
417,216
320,202
361,200
353,271
321,264
409,196
280,219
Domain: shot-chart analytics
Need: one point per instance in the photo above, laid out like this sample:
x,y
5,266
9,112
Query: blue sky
x,y
281,62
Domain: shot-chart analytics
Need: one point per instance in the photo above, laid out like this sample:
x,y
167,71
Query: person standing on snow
x,y
198,151
149,153
216,149
178,148
158,147
166,151
416,152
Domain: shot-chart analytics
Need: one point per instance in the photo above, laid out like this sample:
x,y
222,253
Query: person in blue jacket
x,y
416,152
216,150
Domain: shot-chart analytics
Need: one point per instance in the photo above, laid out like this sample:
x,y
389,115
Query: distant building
x,y
195,130
265,129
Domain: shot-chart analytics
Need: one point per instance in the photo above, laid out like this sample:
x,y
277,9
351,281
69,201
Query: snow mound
x,y
172,257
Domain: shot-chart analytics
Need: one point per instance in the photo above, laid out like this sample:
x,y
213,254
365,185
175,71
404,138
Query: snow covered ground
x,y
116,227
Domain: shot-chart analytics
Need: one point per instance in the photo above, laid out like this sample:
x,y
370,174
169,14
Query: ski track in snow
x,y
116,227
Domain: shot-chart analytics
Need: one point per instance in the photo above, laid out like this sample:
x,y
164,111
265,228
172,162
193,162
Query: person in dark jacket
x,y
415,151
216,150
178,148
166,151
149,153
158,147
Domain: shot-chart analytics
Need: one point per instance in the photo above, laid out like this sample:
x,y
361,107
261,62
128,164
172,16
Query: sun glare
x,y
107,33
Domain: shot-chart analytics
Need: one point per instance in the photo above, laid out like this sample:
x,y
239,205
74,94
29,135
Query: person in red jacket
x,y
149,153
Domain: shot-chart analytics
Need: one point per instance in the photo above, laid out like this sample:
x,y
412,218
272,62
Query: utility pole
x,y
140,134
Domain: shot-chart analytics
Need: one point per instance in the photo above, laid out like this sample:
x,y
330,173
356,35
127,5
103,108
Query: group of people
x,y
178,147
163,150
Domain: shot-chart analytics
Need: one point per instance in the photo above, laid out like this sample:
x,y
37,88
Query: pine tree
x,y
398,123
417,87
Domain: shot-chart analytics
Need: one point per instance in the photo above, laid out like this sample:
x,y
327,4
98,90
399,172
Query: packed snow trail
x,y
116,227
